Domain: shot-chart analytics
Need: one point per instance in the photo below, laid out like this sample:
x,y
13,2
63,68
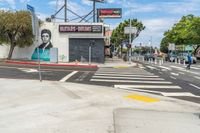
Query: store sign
x,y
109,13
80,28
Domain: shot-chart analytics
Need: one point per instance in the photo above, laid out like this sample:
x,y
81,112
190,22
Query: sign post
x,y
92,42
130,30
36,35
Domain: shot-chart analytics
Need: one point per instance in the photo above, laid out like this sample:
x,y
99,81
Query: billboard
x,y
109,13
80,28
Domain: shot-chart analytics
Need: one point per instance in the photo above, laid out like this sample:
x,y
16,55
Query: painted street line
x,y
141,67
195,86
160,72
170,94
118,72
29,70
167,68
147,86
140,90
68,76
197,77
195,68
122,75
172,77
164,70
180,68
117,77
151,67
176,74
184,70
130,81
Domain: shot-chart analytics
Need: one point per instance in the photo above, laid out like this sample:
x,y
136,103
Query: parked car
x,y
171,57
149,56
183,56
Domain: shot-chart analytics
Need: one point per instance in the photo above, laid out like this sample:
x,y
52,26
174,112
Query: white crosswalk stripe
x,y
118,77
139,80
148,86
195,68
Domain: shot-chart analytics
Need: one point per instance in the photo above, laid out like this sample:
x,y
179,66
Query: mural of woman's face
x,y
45,37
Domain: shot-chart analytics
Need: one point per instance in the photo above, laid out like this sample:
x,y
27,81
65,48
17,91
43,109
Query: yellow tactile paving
x,y
142,98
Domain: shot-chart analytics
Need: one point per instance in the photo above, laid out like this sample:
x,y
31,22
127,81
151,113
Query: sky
x,y
157,15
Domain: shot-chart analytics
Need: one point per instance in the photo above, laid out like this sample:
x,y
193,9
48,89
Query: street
x,y
170,79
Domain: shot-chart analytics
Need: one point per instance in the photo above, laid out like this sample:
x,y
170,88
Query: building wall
x,y
58,40
4,51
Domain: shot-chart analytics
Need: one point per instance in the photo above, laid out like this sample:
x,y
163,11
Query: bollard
x,y
155,61
149,60
143,59
175,61
160,62
179,61
184,62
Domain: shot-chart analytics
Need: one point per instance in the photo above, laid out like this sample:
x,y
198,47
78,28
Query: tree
x,y
118,35
185,32
15,29
164,45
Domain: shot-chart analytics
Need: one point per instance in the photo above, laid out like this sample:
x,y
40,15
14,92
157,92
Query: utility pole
x,y
65,11
94,9
150,44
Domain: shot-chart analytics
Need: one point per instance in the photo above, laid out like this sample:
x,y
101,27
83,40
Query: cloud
x,y
11,3
155,29
178,7
24,1
157,26
42,16
87,2
111,1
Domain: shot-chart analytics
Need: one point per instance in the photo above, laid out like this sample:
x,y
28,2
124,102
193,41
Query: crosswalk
x,y
195,70
137,79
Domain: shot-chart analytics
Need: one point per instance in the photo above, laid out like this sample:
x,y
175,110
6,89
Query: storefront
x,y
71,39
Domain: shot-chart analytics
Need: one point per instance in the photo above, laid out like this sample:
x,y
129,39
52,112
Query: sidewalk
x,y
117,63
30,106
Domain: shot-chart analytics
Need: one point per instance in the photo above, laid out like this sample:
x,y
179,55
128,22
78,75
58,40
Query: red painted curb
x,y
45,64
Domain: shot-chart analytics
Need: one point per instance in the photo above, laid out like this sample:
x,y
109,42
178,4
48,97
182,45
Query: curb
x,y
46,64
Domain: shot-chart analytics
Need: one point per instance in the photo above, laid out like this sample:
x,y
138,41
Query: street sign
x,y
34,25
130,30
171,46
30,8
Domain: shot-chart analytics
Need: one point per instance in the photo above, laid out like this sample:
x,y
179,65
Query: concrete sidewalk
x,y
30,106
117,63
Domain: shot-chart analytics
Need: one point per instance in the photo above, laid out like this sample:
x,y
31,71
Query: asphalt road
x,y
170,80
